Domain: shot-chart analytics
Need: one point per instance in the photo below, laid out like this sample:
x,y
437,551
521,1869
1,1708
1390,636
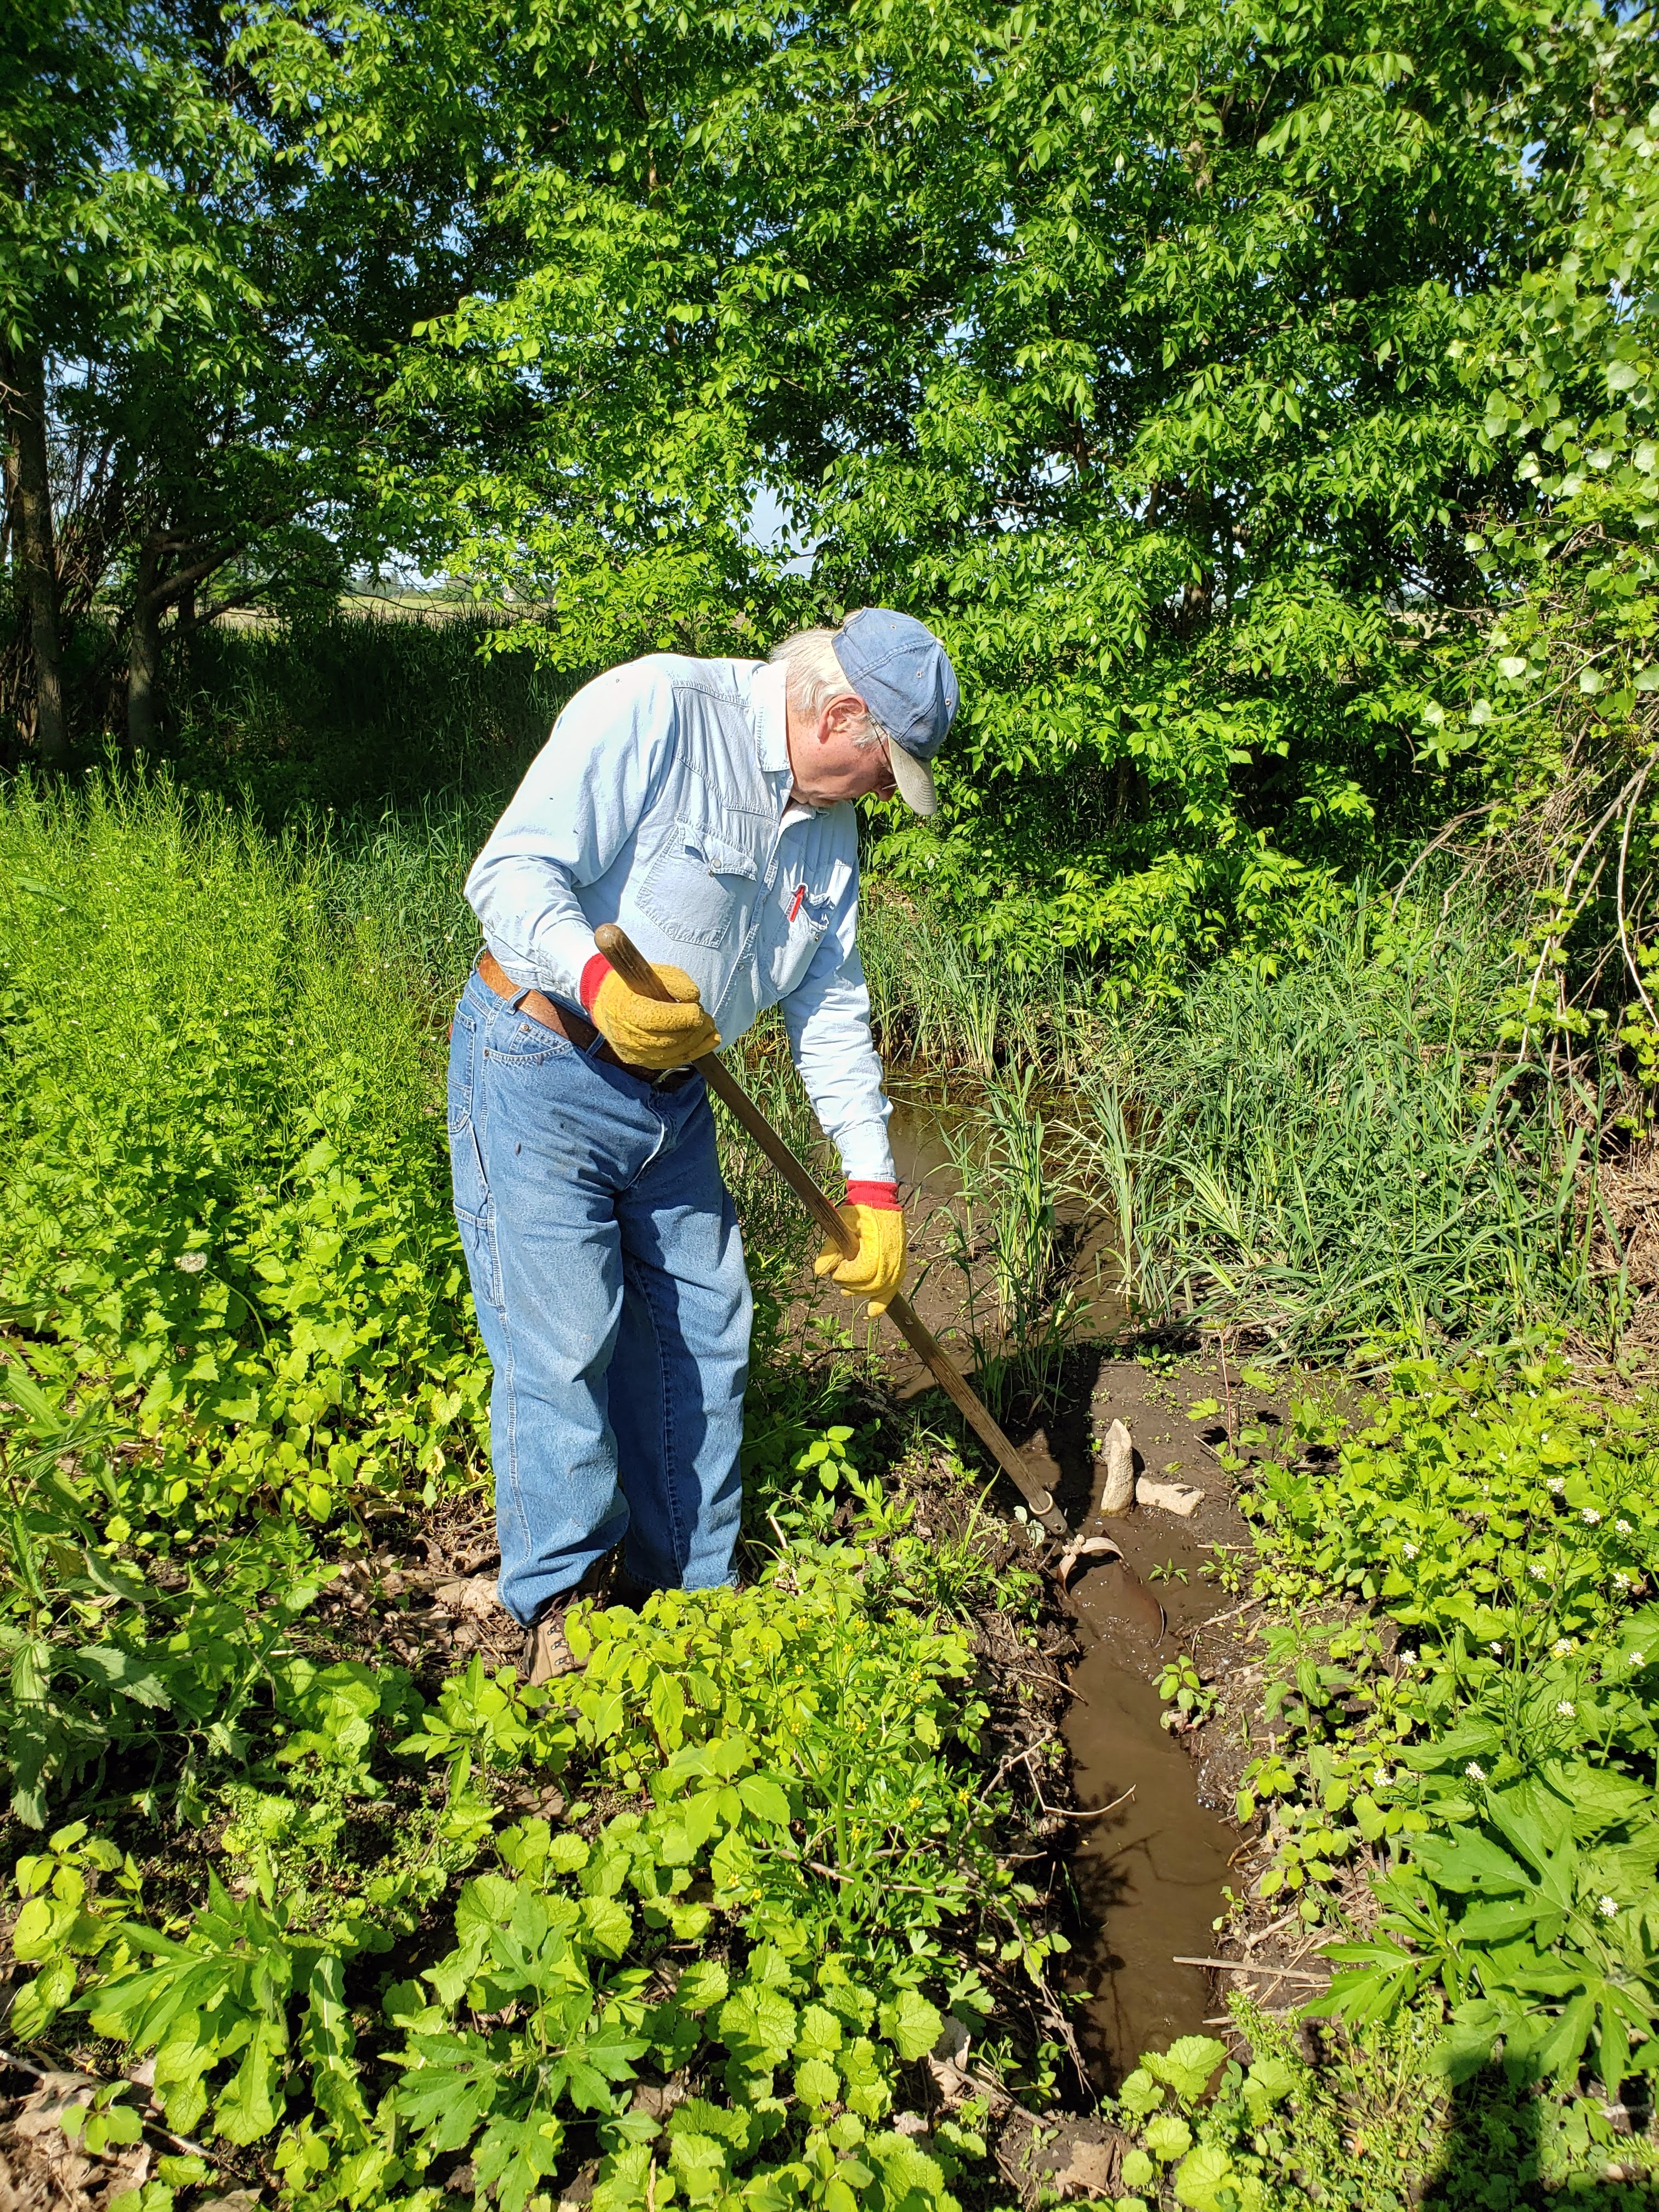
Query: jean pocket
x,y
696,887
516,1040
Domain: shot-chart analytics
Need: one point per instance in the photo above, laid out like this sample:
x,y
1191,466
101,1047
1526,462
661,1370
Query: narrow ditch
x,y
1150,1872
1155,1846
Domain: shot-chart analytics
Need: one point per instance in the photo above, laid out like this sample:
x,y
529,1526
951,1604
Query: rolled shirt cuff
x,y
554,964
865,1154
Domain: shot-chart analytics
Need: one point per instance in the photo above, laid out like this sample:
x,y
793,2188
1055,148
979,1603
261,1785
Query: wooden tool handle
x,y
975,1411
630,964
639,975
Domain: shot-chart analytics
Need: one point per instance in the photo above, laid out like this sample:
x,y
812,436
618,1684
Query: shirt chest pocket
x,y
698,887
800,915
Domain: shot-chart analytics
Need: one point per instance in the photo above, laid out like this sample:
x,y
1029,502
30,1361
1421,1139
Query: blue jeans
x,y
609,1279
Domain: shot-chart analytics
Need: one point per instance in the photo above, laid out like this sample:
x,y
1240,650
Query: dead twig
x,y
1018,1758
1623,938
1052,1681
1099,1812
1216,1619
1244,1967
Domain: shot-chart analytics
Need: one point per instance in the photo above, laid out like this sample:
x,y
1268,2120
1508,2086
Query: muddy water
x,y
1149,1874
920,1132
921,1153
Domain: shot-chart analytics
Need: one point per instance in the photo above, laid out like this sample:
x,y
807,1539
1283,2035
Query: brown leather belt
x,y
571,1027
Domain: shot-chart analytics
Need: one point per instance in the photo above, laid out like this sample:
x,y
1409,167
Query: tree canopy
x,y
1205,372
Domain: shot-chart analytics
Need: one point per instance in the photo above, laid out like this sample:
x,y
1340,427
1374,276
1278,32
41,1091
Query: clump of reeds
x,y
1335,1155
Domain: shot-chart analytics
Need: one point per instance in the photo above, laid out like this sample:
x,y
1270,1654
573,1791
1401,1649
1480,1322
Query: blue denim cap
x,y
904,676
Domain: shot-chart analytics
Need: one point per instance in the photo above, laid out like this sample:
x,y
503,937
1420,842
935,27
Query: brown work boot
x,y
546,1652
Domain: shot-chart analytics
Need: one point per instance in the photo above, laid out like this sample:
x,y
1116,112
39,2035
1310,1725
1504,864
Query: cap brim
x,y
913,780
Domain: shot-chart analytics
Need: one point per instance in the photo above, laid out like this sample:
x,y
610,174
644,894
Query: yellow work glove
x,y
650,1032
876,1270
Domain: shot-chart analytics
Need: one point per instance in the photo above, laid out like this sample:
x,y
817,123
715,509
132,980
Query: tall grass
x,y
1333,1155
936,1005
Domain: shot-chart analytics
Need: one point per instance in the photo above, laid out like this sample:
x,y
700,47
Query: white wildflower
x,y
1557,1485
1538,1571
1496,1649
1622,1526
1564,1707
1475,1773
1409,1550
1382,1779
1638,1659
1621,1578
190,1263
1590,1516
1408,1658
1608,1908
1563,1646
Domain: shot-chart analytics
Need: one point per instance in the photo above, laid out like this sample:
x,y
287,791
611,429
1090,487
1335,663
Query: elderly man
x,y
706,806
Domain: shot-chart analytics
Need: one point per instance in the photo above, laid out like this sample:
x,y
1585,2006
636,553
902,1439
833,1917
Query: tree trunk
x,y
145,647
29,491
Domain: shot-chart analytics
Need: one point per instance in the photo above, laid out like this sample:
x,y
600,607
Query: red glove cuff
x,y
883,1195
593,976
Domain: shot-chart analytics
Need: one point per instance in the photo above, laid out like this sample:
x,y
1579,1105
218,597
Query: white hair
x,y
814,677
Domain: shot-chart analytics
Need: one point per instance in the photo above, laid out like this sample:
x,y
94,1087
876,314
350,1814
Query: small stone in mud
x,y
1115,1471
1169,1497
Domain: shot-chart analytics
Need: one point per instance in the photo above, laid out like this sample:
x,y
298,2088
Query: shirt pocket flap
x,y
718,854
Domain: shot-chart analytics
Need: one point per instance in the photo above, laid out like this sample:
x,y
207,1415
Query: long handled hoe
x,y
638,975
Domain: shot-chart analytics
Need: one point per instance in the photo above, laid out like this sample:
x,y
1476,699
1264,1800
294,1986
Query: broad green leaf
x,y
608,1926
1187,2064
757,2025
1202,2175
1168,2136
910,2024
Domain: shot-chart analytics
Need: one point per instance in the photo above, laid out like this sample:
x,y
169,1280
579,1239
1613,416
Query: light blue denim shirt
x,y
661,801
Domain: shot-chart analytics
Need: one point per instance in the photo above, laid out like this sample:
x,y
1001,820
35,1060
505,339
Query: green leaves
x,y
1188,2065
704,1983
449,2089
220,1993
757,2026
910,2024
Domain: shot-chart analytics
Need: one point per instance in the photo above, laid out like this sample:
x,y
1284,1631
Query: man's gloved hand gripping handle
x,y
652,1033
876,1270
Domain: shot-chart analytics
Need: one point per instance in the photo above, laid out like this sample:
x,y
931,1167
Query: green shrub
x,y
796,1755
224,1199
1501,1753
